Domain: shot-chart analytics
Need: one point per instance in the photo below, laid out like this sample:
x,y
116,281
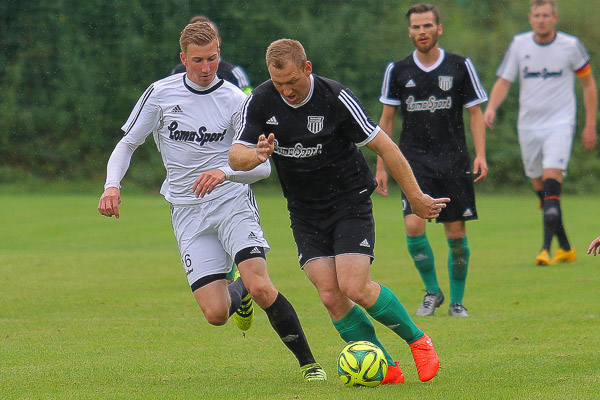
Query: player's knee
x,y
216,317
330,299
262,292
356,292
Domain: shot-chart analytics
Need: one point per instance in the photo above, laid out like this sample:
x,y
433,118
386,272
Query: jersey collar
x,y
197,89
431,67
308,97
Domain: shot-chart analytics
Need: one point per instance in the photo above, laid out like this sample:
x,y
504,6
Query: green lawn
x,y
92,308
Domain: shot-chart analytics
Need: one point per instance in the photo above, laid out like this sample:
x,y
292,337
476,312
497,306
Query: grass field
x,y
92,308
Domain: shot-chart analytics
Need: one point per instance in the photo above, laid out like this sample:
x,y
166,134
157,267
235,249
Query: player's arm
x,y
590,101
244,158
386,123
477,127
208,180
497,96
117,166
142,121
423,205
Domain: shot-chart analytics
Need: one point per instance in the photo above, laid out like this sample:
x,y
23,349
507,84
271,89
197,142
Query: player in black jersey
x,y
431,87
231,73
315,127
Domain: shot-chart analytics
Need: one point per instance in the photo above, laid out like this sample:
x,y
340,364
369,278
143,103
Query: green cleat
x,y
313,372
244,315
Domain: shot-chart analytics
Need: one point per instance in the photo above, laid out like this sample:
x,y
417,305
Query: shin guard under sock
x,y
285,322
422,255
552,212
458,266
389,311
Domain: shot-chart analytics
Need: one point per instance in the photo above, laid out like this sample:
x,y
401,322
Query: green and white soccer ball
x,y
362,364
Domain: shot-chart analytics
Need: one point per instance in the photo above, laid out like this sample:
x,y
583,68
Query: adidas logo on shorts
x,y
365,243
468,213
255,251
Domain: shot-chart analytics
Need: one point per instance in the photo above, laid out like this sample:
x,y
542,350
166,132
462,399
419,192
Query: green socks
x,y
458,265
357,326
389,311
422,255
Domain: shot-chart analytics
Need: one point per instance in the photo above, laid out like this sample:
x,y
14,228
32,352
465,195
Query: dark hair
x,y
423,8
537,3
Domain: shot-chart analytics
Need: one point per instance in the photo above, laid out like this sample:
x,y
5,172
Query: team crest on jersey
x,y
315,124
445,82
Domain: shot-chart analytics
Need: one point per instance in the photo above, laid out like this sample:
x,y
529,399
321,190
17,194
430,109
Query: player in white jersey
x,y
546,63
213,211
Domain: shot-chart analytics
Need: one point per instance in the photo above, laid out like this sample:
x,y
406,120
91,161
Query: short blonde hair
x,y
283,50
198,33
202,18
537,3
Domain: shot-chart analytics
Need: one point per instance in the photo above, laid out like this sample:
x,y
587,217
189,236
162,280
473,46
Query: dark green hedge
x,y
70,71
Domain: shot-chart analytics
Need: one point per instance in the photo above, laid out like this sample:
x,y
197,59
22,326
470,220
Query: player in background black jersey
x,y
314,128
231,73
431,87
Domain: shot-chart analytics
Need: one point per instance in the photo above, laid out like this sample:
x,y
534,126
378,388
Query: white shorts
x,y
210,234
547,149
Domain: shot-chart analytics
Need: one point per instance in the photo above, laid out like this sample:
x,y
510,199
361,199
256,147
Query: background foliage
x,y
71,70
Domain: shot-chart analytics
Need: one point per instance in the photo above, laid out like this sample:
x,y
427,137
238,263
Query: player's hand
x,y
427,207
480,167
382,182
588,138
594,246
265,147
109,202
488,118
207,181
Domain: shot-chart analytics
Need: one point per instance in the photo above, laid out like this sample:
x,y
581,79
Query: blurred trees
x,y
71,70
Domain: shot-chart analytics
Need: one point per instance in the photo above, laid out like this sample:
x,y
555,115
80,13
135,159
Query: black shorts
x,y
460,191
347,229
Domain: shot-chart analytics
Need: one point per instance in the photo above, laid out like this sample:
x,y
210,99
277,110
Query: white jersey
x,y
192,128
547,78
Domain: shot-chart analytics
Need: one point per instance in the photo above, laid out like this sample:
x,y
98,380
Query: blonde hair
x,y
283,50
198,33
202,18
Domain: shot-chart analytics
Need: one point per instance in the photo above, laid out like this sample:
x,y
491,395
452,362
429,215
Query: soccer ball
x,y
362,364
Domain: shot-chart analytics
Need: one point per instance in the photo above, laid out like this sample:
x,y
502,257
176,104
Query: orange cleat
x,y
543,258
564,256
425,357
394,375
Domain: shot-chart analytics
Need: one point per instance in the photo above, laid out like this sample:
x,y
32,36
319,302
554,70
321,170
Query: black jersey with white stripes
x,y
432,100
317,155
231,73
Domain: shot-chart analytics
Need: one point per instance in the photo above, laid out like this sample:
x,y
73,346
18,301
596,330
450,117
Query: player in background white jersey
x,y
213,210
546,63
